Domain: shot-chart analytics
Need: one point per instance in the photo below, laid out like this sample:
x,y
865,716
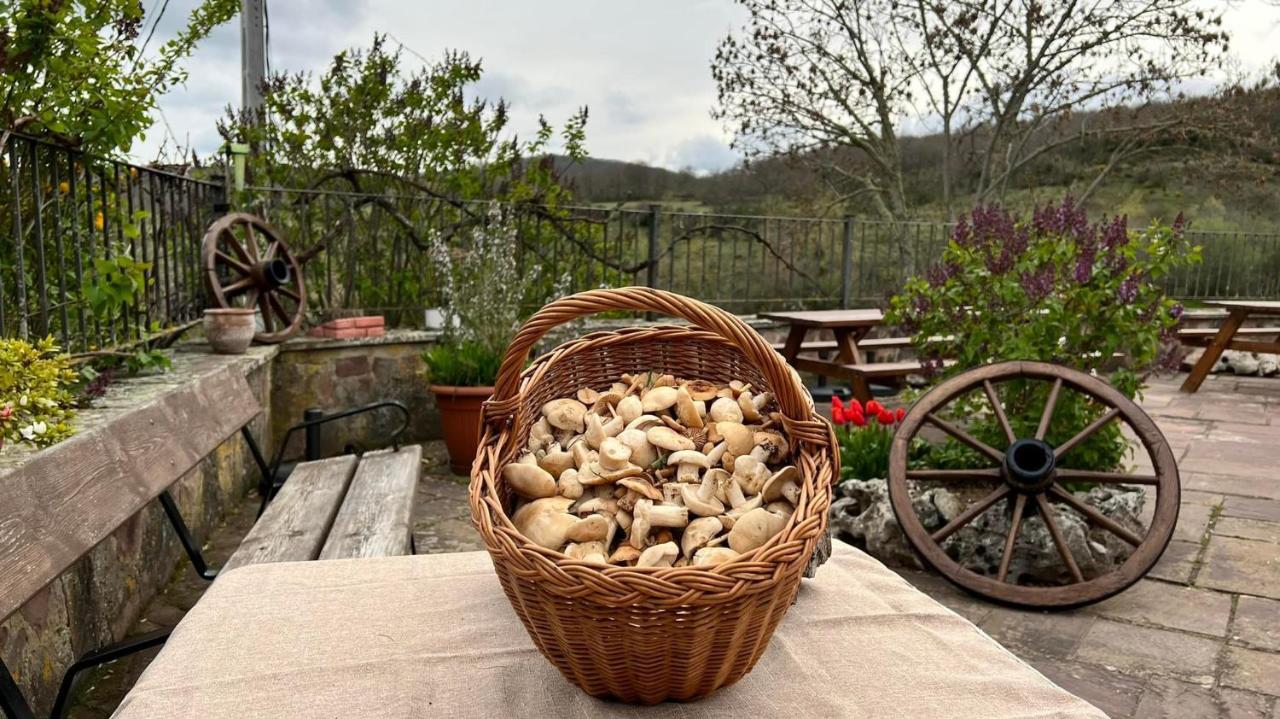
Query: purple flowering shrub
x,y
1054,288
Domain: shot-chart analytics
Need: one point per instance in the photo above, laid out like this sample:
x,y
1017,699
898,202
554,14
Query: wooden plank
x,y
828,318
376,518
297,521
1214,350
67,498
886,369
1187,332
1257,307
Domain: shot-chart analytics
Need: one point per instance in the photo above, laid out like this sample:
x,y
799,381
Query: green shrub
x,y
1051,288
468,364
36,399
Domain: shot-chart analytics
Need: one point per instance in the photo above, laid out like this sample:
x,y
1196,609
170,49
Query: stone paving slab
x,y
1171,606
1264,510
1145,651
1252,670
1243,566
1257,623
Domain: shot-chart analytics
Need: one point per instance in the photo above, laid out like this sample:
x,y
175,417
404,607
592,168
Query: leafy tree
x,y
76,71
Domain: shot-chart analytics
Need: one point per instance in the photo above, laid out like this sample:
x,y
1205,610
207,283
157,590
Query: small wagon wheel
x,y
1025,480
248,264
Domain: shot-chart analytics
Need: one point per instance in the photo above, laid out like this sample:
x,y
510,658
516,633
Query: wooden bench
x,y
875,343
1202,336
68,498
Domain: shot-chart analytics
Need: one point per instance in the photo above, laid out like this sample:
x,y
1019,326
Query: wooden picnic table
x,y
1237,312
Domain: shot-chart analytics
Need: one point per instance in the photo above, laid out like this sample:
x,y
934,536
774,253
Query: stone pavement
x,y
1199,637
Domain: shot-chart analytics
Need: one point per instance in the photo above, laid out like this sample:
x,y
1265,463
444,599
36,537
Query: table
x,y
1238,311
434,636
849,328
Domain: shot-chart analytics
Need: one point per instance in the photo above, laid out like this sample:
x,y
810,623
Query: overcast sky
x,y
641,66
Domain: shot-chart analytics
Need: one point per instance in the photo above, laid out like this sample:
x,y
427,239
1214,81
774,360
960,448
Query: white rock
x,y
1268,365
1242,363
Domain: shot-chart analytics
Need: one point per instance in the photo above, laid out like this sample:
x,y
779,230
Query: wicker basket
x,y
652,634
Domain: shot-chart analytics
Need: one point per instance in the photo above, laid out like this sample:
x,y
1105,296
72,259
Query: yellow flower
x,y
98,221
64,187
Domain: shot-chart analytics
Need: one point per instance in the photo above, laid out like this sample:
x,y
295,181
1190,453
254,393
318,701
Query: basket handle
x,y
793,400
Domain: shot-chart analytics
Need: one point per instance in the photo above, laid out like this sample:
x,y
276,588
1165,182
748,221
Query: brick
x,y
1252,670
1241,565
1170,605
341,324
1143,650
346,333
320,331
370,321
1257,623
375,331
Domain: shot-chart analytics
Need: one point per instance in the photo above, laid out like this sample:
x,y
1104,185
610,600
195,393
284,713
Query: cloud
x,y
704,153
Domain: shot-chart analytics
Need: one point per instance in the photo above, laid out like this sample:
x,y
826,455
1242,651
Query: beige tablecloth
x,y
434,636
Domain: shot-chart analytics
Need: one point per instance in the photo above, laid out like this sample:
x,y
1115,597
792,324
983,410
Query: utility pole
x,y
253,62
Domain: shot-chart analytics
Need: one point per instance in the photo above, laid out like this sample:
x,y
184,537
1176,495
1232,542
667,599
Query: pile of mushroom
x,y
655,472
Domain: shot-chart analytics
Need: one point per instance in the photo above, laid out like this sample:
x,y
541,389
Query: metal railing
x,y
96,252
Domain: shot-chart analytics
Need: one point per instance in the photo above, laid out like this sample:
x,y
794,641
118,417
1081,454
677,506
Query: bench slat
x,y
376,517
886,369
297,521
875,343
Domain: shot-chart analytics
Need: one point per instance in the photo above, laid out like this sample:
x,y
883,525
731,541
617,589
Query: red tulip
x,y
836,403
885,417
854,404
837,415
858,419
874,407
901,414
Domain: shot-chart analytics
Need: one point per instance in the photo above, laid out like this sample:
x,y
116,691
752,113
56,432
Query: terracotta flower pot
x,y
229,330
460,419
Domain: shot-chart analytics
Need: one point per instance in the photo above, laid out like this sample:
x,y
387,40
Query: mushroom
x,y
770,447
668,439
782,507
587,551
691,498
642,487
545,521
659,399
614,455
556,460
529,481
647,514
701,389
747,406
590,529
540,435
784,484
565,414
725,410
659,555
588,396
698,533
568,484
751,473
711,556
596,504
624,554
595,434
629,408
582,455
736,436
686,410
671,494
687,463
642,453
755,528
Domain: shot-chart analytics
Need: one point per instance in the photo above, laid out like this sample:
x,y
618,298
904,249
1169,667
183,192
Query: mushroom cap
x,y
624,554
642,453
568,484
697,505
642,486
545,521
556,460
629,408
658,399
701,389
614,455
686,410
565,413
776,444
751,473
711,556
587,396
736,436
748,407
699,532
754,528
529,480
725,410
775,487
589,529
659,555
688,456
668,439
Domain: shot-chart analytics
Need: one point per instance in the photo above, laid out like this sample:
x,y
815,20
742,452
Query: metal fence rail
x,y
80,229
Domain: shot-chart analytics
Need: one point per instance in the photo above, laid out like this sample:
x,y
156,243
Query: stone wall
x,y
94,602
333,375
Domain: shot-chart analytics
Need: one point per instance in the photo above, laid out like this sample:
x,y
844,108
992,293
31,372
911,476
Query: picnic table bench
x,y
1224,338
850,328
70,497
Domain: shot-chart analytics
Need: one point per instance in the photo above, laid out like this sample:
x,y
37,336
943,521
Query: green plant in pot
x,y
484,294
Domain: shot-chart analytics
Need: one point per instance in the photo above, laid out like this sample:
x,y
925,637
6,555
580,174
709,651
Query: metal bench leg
x,y
15,705
184,535
97,657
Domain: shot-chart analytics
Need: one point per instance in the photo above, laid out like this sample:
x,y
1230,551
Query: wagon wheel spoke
x,y
998,409
267,323
251,241
1015,524
251,298
965,437
953,475
969,514
1085,433
1059,541
1096,517
232,262
235,288
273,249
233,242
286,319
288,292
1049,405
1086,475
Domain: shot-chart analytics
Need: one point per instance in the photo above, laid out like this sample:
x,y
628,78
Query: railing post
x,y
846,263
651,274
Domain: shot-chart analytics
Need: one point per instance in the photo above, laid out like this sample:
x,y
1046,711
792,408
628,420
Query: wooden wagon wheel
x,y
1025,480
248,264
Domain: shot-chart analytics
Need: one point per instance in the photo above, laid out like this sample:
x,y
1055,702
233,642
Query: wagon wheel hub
x,y
1029,465
270,274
